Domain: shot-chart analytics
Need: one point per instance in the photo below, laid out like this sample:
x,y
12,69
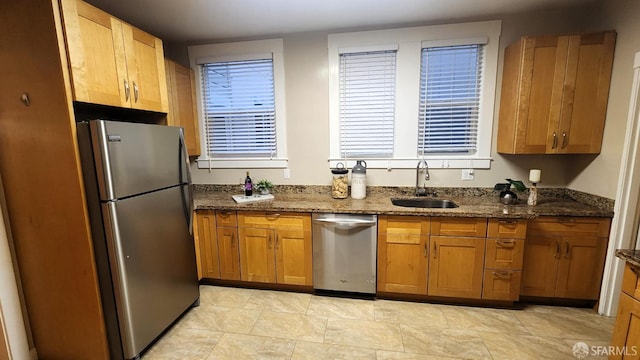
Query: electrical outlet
x,y
467,174
286,173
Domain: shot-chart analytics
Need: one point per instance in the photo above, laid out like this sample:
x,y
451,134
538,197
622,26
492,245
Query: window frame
x,y
410,42
238,51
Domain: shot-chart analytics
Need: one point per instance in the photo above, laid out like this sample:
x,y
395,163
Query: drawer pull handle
x,y
502,275
435,250
557,254
505,243
508,222
555,140
277,241
567,249
564,139
127,91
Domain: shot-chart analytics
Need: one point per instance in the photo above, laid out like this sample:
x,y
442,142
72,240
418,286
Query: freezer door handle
x,y
184,161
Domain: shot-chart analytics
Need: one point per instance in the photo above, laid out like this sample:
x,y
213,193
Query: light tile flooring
x,y
235,323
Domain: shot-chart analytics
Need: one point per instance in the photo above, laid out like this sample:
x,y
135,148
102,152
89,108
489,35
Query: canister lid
x,y
339,169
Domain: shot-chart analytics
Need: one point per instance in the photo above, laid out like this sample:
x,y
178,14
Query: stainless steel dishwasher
x,y
344,252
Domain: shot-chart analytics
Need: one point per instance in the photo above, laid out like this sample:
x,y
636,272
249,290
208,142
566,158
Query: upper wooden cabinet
x,y
182,104
554,94
113,63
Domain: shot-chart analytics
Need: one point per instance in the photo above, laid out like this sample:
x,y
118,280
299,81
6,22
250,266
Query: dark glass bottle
x,y
248,186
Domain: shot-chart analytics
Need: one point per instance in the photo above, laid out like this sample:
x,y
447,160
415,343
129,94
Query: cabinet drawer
x,y
569,226
501,285
476,227
403,229
226,218
507,228
630,282
504,254
271,220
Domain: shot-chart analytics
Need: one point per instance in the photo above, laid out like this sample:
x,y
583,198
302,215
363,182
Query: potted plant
x,y
507,196
264,186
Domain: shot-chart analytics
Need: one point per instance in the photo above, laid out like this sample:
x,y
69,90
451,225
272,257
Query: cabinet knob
x,y
25,99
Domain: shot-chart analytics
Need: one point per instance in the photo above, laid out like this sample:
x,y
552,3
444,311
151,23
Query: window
x,y
239,108
441,90
367,103
241,104
450,84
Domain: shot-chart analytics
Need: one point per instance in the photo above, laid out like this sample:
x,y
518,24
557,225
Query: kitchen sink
x,y
425,203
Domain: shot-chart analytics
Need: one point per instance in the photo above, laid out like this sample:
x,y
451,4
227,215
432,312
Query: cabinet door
x,y
208,265
456,267
182,104
531,93
96,54
540,265
402,254
626,333
145,69
580,267
586,92
293,257
257,257
228,253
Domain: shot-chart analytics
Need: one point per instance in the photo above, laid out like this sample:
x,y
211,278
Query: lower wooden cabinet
x,y
456,267
626,333
403,250
206,245
564,257
217,245
275,248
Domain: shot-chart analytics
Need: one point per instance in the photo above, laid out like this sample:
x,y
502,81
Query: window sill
x,y
433,162
245,163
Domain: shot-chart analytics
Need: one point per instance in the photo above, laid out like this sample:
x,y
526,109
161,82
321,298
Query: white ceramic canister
x,y
359,180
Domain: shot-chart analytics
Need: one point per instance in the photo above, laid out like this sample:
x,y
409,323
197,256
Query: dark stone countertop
x,y
630,256
471,202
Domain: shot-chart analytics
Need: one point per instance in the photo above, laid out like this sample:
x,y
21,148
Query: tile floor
x,y
235,323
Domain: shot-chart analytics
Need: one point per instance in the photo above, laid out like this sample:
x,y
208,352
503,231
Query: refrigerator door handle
x,y
189,206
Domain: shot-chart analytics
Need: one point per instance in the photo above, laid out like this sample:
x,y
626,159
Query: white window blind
x,y
367,103
450,86
239,108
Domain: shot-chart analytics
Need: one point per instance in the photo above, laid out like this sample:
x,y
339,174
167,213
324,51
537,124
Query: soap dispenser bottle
x,y
359,180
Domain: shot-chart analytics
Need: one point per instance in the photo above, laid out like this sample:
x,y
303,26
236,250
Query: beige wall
x,y
308,120
599,175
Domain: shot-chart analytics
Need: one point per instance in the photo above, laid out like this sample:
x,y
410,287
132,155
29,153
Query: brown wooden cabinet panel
x,y
182,104
564,257
540,265
456,267
626,333
554,94
403,243
207,245
275,248
501,285
580,267
507,228
293,257
445,226
113,63
228,253
504,254
257,260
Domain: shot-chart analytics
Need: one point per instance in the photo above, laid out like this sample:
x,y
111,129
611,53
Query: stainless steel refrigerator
x,y
139,199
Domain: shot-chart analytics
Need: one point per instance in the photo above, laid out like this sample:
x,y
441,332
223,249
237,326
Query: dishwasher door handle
x,y
345,222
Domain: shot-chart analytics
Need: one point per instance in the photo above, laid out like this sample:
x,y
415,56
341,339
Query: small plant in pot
x,y
264,186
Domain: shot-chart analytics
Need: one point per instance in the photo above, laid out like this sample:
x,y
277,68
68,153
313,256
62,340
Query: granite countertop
x,y
631,256
471,202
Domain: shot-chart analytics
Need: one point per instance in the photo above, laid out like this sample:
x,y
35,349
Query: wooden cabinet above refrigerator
x,y
554,94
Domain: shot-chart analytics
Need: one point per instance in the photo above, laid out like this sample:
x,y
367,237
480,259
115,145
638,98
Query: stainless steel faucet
x,y
421,190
